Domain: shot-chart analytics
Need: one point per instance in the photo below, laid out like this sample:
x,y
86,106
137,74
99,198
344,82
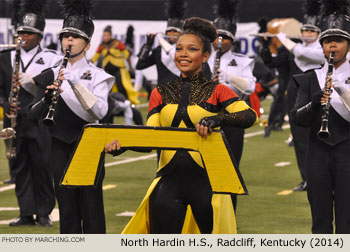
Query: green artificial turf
x,y
262,211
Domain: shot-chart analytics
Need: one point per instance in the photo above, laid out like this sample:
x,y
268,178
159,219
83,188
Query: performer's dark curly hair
x,y
201,28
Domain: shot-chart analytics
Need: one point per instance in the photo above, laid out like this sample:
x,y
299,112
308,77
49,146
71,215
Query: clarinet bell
x,y
48,120
324,132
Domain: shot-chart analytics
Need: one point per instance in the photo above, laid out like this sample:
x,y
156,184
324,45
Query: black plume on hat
x,y
32,16
129,41
226,17
335,20
78,18
175,11
16,17
262,22
311,20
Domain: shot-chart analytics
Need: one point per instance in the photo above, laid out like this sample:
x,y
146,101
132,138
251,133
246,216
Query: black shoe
x,y
10,181
277,128
23,221
44,221
301,187
267,131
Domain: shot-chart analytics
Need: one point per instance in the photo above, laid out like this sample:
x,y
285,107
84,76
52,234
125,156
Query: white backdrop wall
x,y
119,28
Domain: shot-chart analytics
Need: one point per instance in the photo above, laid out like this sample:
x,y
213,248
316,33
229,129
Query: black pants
x,y
300,138
34,181
300,134
186,184
81,209
328,189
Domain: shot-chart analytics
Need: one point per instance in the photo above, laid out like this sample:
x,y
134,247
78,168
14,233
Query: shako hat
x,y
226,17
311,20
31,17
78,18
335,20
175,10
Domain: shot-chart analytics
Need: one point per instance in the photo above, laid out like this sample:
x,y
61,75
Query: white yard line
x,y
6,188
130,160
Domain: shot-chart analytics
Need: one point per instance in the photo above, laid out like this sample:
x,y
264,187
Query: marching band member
x,y
307,55
189,101
236,71
163,55
328,160
114,56
34,189
6,77
83,100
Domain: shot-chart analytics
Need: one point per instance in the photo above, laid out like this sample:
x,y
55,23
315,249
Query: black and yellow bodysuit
x,y
180,199
114,55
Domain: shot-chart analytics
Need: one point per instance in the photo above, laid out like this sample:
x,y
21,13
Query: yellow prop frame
x,y
83,170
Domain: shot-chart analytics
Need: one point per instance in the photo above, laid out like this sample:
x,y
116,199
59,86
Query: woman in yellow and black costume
x,y
115,53
180,199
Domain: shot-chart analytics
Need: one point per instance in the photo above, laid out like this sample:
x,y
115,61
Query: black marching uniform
x,y
328,160
83,101
164,62
81,209
32,165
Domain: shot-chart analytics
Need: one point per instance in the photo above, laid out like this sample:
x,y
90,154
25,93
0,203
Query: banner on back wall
x,y
119,28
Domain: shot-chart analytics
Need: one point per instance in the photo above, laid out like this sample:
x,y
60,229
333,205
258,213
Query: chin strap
x,y
77,54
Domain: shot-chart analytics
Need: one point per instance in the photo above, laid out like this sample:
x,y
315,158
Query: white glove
x,y
25,78
71,76
224,77
281,36
125,104
286,42
337,85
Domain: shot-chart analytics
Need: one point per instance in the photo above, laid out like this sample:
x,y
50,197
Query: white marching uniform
x,y
34,62
237,65
88,99
308,56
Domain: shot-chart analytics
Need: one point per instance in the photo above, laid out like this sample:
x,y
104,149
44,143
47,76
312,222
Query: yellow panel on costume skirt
x,y
1,114
224,221
82,169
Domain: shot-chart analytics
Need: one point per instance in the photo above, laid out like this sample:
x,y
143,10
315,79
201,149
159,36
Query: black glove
x,y
316,100
211,122
265,43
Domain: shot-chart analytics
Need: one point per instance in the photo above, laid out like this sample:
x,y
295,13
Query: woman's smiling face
x,y
189,55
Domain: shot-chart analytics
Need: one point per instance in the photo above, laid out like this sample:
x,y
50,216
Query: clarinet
x,y
48,120
217,58
323,132
9,134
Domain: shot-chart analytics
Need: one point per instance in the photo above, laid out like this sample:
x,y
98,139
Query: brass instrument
x,y
289,26
323,132
48,120
9,134
217,58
